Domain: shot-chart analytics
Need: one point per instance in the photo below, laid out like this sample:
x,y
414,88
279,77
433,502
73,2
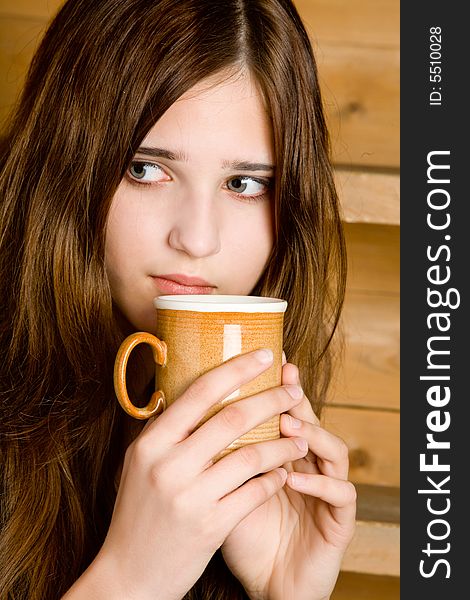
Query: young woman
x,y
167,146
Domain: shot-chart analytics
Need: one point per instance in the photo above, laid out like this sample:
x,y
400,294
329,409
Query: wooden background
x,y
357,49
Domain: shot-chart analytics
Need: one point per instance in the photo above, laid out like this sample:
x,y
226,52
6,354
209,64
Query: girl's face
x,y
193,213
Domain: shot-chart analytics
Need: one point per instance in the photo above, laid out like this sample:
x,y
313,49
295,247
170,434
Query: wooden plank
x,y
373,258
373,439
378,503
368,196
361,22
362,586
43,9
375,549
369,372
19,39
361,95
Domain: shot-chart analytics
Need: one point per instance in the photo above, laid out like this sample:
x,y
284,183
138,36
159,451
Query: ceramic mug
x,y
196,333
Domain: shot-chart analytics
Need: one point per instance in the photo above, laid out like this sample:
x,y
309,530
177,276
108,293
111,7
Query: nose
x,y
196,229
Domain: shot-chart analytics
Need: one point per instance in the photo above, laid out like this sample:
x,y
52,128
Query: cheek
x,y
251,241
129,231
118,238
122,247
259,232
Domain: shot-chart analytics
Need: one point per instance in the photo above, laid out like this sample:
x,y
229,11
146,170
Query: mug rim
x,y
220,303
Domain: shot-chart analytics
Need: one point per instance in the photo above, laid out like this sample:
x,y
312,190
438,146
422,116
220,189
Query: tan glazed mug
x,y
196,333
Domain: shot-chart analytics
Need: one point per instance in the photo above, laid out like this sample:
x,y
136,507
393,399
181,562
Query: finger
x,y
240,503
236,419
336,492
241,465
290,373
330,450
304,410
179,419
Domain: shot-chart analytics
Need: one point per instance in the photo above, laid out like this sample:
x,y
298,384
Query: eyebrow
x,y
237,165
244,165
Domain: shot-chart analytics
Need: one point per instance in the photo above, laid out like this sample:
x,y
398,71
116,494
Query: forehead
x,y
240,83
224,113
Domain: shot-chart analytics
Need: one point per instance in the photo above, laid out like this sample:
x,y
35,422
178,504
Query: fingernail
x,y
284,358
295,391
294,423
301,444
297,480
264,356
283,473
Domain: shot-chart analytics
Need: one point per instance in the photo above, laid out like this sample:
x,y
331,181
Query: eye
x,y
143,172
248,186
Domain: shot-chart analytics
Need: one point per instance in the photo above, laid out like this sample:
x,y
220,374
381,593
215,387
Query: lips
x,y
182,284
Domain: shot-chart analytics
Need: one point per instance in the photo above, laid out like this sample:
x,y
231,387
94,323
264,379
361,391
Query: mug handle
x,y
159,350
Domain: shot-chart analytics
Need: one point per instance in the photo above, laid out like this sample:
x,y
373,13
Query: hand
x,y
175,507
291,547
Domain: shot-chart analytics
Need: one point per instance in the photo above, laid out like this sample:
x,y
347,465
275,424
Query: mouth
x,y
182,284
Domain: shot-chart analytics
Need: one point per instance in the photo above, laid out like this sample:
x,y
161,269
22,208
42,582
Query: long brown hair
x,y
104,73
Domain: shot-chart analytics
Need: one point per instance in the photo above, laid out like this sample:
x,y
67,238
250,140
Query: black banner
x,y
435,238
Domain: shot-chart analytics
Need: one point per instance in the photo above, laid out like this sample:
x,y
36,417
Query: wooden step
x,y
372,437
361,586
375,548
369,196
